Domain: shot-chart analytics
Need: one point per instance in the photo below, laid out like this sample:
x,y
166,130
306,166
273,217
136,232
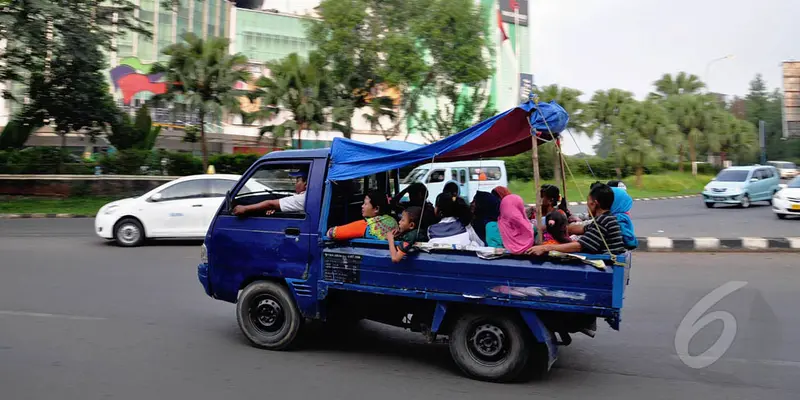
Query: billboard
x,y
507,11
791,99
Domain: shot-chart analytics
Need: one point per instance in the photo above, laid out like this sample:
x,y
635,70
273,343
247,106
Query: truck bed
x,y
541,283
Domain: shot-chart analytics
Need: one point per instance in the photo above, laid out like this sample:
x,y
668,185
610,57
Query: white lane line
x,y
46,315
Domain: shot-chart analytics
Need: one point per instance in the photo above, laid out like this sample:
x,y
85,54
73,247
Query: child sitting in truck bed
x,y
407,232
377,222
454,224
602,235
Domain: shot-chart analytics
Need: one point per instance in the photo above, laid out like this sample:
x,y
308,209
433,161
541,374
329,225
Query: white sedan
x,y
786,201
182,208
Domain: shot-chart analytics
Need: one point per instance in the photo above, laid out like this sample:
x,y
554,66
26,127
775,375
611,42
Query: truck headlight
x,y
203,254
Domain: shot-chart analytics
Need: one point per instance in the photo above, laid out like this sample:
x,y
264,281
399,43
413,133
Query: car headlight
x,y
203,254
778,195
111,210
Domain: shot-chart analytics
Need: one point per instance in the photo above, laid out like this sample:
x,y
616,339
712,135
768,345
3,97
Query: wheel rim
x,y
487,343
266,314
128,233
745,201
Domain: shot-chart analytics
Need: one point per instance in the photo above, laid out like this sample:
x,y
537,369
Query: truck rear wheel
x,y
268,315
490,347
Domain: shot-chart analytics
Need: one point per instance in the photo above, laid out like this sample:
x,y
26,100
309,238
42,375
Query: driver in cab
x,y
290,204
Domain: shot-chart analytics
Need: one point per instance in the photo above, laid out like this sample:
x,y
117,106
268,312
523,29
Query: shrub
x,y
180,164
233,163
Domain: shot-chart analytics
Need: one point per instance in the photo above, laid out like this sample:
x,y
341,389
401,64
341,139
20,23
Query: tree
x,y
34,29
692,113
200,76
300,86
600,113
418,47
682,83
457,111
17,132
139,134
569,99
644,131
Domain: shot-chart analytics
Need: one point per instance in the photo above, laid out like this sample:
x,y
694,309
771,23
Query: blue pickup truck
x,y
503,318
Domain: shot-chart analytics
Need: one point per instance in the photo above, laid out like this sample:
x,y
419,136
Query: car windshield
x,y
730,175
794,183
415,175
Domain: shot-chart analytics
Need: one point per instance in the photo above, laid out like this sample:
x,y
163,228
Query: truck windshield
x,y
415,175
732,176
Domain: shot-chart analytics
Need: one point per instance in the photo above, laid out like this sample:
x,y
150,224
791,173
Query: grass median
x,y
659,185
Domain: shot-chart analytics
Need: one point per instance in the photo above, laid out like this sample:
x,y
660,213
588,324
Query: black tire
x,y
745,202
709,205
128,232
268,315
491,347
781,216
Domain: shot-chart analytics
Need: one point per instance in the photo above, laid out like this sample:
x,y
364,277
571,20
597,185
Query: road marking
x,y
46,315
773,363
657,242
754,243
706,243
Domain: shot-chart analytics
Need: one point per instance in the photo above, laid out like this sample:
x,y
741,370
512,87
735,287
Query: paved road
x,y
83,320
691,218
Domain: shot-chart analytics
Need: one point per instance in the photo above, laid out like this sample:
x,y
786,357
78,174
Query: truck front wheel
x,y
268,315
490,347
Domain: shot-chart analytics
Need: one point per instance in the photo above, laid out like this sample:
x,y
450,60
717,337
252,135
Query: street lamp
x,y
708,68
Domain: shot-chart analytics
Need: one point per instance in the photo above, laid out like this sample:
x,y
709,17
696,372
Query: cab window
x,y
272,181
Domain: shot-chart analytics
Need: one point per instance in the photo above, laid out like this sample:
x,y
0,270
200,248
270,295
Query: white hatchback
x,y
182,208
786,201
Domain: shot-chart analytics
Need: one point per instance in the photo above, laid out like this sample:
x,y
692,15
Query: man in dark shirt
x,y
599,236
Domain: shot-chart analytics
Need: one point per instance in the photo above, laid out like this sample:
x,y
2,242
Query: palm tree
x,y
299,86
693,115
380,107
200,76
569,99
600,113
682,83
644,131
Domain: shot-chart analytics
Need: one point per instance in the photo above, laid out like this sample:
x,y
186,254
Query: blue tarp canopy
x,y
503,135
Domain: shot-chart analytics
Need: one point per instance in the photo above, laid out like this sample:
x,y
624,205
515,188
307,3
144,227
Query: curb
x,y
37,215
711,244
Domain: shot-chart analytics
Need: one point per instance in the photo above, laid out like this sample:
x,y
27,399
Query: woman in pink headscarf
x,y
515,227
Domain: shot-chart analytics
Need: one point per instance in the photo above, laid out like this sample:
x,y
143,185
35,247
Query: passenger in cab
x,y
454,222
485,211
515,228
406,232
600,236
418,197
377,222
289,204
556,228
550,196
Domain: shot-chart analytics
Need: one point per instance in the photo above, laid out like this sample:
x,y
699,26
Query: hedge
x,y
46,160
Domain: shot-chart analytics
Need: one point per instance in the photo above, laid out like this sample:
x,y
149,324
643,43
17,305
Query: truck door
x,y
269,244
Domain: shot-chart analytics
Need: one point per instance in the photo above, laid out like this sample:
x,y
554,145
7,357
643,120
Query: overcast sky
x,y
600,44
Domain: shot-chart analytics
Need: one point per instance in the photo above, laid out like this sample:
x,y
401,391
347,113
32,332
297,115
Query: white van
x,y
471,176
788,170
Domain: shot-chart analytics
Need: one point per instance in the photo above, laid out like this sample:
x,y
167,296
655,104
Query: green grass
x,y
46,205
660,185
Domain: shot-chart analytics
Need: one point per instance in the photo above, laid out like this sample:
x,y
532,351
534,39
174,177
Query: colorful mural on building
x,y
132,77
